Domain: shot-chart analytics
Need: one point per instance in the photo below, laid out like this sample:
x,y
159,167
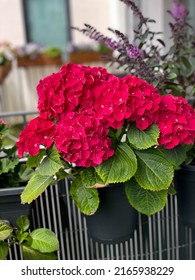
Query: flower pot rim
x,y
188,167
11,191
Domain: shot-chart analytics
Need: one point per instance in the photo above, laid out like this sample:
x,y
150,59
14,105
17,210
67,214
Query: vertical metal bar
x,y
76,231
97,252
86,238
102,251
48,207
172,229
42,210
108,252
190,243
68,248
81,236
140,236
92,251
131,249
136,245
121,251
150,238
59,217
126,250
168,230
176,228
117,252
54,214
112,252
70,225
159,237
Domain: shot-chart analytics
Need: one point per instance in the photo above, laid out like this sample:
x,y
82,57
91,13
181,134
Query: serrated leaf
x,y
86,199
120,167
23,222
31,254
143,139
7,165
145,201
25,173
90,178
176,156
154,172
44,240
42,177
51,163
34,161
4,249
35,187
5,230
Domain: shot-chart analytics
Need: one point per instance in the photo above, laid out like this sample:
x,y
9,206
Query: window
x,y
47,22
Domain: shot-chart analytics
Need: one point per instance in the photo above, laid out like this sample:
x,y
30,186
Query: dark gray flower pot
x,y
185,187
10,205
115,220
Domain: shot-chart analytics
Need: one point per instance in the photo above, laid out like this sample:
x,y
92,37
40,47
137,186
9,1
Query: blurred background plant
x,y
6,53
32,50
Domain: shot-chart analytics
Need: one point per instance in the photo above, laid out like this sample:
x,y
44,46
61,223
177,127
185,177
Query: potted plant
x,y
171,71
101,130
39,244
5,60
38,55
87,54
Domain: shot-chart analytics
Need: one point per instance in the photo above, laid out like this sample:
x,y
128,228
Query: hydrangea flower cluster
x,y
80,104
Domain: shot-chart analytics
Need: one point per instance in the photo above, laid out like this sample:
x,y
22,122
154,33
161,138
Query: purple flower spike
x,y
178,11
133,52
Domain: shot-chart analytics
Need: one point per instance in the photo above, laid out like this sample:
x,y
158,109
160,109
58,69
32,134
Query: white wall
x,y
11,22
101,14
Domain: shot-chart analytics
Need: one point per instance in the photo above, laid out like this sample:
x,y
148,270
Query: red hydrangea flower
x,y
176,121
66,90
81,139
110,101
143,102
38,132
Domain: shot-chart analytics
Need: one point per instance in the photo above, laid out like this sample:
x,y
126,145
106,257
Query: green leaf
x,y
187,63
154,172
145,201
172,76
176,156
90,178
51,163
32,254
22,236
35,187
34,161
44,240
23,222
143,139
120,167
5,230
42,177
4,249
25,173
7,165
86,199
